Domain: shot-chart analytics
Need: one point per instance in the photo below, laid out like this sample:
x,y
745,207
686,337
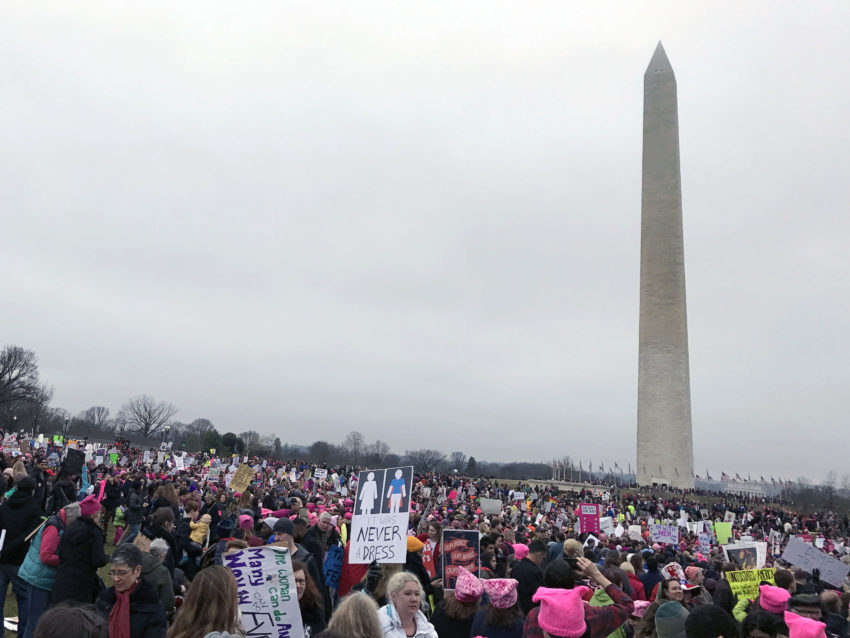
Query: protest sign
x,y
113,458
332,567
799,553
729,517
146,457
320,473
460,548
379,523
268,601
723,531
559,521
704,514
746,554
606,525
590,537
213,472
178,462
619,530
588,516
746,582
664,534
241,478
491,505
705,543
674,570
634,532
74,461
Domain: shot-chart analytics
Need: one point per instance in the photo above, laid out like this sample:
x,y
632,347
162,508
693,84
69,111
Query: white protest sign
x,y
268,601
619,530
320,473
808,557
729,517
178,462
664,534
606,525
147,457
379,524
634,533
747,554
559,521
591,537
491,505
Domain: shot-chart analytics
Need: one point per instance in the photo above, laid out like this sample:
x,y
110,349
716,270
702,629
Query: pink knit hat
x,y
501,592
89,505
520,550
561,611
691,572
246,522
773,599
468,588
799,627
640,607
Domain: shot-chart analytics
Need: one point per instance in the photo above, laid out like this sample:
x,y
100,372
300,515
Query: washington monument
x,y
665,450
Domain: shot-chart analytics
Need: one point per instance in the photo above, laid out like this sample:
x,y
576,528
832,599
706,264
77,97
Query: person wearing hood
x,y
156,573
38,570
80,555
162,526
19,516
64,492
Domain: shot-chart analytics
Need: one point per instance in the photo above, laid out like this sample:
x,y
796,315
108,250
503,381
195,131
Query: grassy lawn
x,y
11,607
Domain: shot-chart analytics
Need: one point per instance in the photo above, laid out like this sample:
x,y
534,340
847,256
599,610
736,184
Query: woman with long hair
x,y
309,600
502,618
454,613
211,605
356,617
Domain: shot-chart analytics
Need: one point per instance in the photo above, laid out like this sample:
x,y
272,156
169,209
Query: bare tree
x,y
145,415
18,375
425,460
251,439
457,460
97,415
199,426
377,452
354,445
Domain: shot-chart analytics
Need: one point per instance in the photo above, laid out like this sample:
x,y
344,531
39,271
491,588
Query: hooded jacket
x,y
155,573
80,553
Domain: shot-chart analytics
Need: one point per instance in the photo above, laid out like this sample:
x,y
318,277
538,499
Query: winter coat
x,y
80,554
147,616
64,492
155,573
391,625
170,560
313,619
481,628
450,627
112,495
19,516
39,566
133,515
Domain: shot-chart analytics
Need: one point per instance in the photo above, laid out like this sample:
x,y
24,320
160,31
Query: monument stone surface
x,y
665,453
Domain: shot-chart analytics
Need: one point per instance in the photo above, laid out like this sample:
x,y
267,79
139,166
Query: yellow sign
x,y
242,478
746,581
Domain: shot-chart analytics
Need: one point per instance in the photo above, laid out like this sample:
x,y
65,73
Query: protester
x,y
155,573
131,604
38,570
401,617
210,606
454,614
355,617
501,617
65,621
309,600
81,553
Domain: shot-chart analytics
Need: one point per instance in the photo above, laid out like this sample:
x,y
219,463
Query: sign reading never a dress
x,y
379,524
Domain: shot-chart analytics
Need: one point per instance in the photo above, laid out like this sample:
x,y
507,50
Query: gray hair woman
x,y
401,617
155,573
131,604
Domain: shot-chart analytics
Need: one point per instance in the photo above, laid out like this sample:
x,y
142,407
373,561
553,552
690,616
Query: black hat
x,y
284,526
25,484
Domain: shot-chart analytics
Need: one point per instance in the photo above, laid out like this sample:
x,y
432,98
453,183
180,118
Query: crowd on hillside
x,y
172,524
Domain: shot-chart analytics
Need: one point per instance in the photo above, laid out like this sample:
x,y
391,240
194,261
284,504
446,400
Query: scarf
x,y
119,617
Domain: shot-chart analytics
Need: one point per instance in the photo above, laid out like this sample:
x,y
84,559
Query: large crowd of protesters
x,y
169,529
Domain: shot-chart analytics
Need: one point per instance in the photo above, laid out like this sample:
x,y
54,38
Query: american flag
x,y
724,476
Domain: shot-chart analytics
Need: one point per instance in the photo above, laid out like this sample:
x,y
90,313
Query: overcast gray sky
x,y
422,220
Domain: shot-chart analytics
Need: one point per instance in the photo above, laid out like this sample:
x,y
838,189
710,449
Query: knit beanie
x,y
691,572
468,587
773,599
561,611
670,620
89,505
501,592
520,550
246,522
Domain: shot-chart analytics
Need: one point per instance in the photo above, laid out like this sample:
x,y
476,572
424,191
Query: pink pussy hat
x,y
799,627
561,611
520,550
468,588
773,599
501,592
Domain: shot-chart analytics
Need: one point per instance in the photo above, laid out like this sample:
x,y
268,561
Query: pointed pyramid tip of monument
x,y
659,62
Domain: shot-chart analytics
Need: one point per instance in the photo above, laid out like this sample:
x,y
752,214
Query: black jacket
x,y
170,560
18,516
112,495
147,616
134,515
64,492
80,554
529,577
41,490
